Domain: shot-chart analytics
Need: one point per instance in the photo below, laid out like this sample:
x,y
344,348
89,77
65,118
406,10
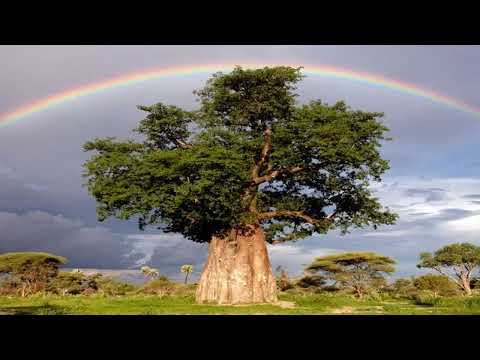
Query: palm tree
x,y
149,272
187,269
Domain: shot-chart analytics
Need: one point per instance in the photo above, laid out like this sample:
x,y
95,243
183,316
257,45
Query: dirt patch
x,y
344,310
6,312
285,304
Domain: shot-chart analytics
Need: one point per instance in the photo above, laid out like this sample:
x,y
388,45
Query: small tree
x,y
437,284
458,262
403,287
283,280
358,272
32,269
187,270
73,283
149,272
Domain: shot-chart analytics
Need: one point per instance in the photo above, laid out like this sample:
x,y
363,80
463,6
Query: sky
x,y
433,183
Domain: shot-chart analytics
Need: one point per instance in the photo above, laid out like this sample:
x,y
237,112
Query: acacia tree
x,y
358,272
34,270
249,167
459,262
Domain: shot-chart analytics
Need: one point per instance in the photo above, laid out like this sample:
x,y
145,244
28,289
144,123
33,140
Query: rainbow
x,y
158,73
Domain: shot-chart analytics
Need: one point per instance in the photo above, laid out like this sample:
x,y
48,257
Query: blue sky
x,y
434,181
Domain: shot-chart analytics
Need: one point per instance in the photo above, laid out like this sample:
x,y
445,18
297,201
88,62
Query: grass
x,y
304,304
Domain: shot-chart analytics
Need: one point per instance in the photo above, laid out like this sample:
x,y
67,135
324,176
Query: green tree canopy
x,y
249,155
33,269
458,261
437,284
358,272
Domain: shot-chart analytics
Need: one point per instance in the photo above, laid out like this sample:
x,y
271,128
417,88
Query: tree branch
x,y
455,279
183,144
267,146
299,214
269,177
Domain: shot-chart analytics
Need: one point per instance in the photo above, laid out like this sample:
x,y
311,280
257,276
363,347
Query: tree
x,y
33,269
403,287
73,283
187,270
249,167
358,272
437,284
283,280
311,281
459,262
149,272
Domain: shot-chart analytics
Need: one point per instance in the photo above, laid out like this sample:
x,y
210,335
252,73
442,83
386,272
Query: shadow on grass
x,y
33,310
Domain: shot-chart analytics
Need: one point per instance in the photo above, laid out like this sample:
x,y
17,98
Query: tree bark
x,y
466,285
238,270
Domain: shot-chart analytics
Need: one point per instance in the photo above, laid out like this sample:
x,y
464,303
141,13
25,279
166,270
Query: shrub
x,y
437,285
161,286
74,283
111,287
164,287
403,288
426,297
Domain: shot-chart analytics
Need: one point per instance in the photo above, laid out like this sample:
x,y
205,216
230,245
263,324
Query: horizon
x,y
433,182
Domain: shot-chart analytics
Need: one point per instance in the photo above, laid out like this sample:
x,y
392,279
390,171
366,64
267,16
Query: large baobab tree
x,y
250,167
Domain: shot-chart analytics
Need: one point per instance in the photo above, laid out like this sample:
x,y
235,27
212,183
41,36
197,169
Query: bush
x,y
111,287
74,284
283,280
161,286
403,288
437,285
426,297
164,287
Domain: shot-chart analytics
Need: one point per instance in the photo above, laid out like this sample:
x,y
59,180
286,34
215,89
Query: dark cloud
x,y
472,196
177,252
83,246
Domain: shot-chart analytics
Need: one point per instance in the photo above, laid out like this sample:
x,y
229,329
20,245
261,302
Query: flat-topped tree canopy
x,y
351,260
249,155
13,261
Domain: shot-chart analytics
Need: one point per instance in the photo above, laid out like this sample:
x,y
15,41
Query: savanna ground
x,y
289,304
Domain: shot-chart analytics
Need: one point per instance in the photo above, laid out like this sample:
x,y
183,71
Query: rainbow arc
x,y
166,72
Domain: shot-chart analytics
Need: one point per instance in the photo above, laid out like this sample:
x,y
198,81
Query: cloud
x,y
294,258
472,196
422,226
174,251
83,246
430,195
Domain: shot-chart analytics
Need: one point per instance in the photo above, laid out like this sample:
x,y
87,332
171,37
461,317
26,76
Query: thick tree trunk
x,y
238,270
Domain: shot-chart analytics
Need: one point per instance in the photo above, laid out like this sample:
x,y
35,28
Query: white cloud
x,y
469,225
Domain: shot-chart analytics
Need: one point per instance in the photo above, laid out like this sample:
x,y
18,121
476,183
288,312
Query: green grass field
x,y
290,304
